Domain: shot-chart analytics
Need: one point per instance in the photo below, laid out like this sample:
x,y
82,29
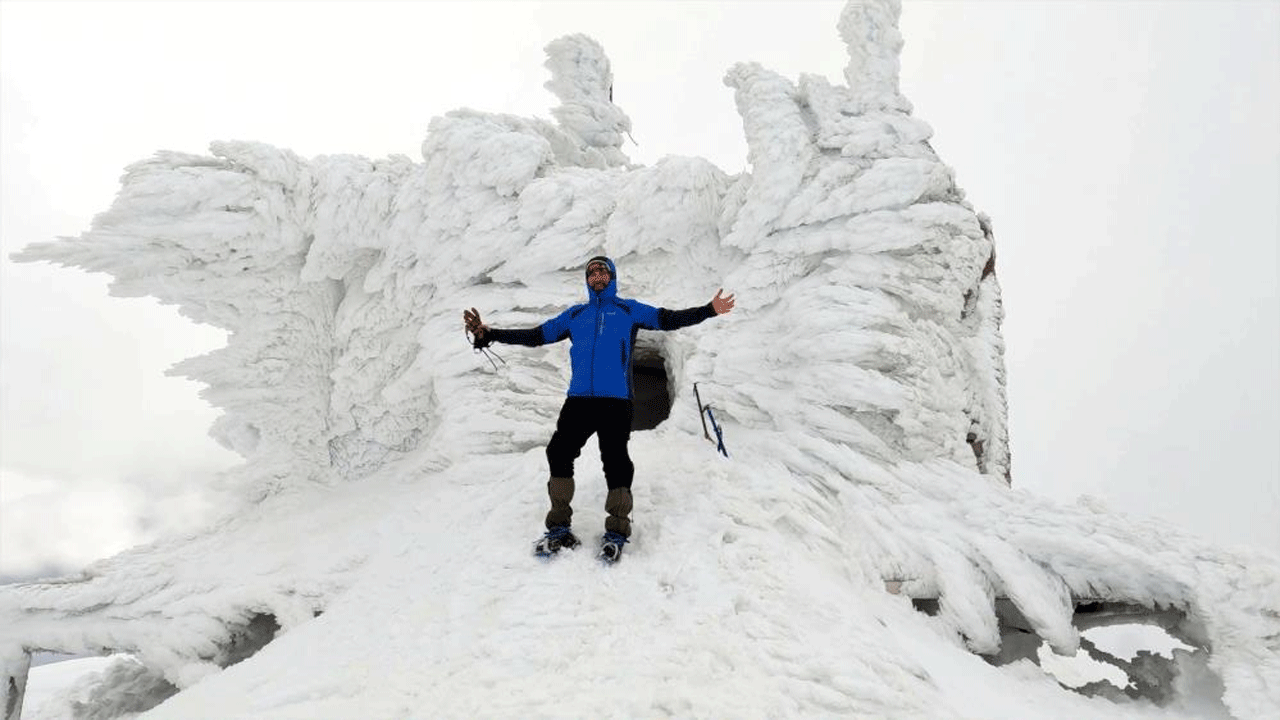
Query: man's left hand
x,y
720,304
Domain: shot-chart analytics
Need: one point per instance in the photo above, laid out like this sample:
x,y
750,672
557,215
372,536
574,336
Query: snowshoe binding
x,y
556,539
611,547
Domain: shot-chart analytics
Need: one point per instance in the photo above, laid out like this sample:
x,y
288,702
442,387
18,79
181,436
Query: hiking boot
x,y
611,547
556,539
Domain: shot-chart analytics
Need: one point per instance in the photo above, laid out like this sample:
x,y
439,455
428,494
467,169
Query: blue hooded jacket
x,y
602,332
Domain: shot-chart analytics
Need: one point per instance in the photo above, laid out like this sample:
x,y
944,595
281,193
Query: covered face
x,y
598,264
601,276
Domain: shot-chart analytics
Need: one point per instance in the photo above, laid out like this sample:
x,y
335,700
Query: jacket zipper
x,y
596,341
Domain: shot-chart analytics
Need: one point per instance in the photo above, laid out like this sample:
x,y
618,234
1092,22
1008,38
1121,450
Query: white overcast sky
x,y
1127,152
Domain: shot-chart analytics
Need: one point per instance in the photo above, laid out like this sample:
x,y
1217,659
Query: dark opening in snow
x,y
248,639
652,395
1148,673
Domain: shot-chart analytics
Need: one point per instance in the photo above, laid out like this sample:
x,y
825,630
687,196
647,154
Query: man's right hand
x,y
474,326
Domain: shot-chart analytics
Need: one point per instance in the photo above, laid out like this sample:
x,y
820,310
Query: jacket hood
x,y
610,290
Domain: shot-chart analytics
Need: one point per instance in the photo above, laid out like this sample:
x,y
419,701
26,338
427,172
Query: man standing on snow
x,y
602,332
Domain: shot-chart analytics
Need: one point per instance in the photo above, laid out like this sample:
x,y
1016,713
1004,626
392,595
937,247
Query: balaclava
x,y
599,260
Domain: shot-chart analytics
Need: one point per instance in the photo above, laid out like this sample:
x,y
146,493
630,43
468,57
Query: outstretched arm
x,y
482,335
676,319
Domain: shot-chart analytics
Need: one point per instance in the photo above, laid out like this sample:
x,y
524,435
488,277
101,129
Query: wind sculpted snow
x,y
378,561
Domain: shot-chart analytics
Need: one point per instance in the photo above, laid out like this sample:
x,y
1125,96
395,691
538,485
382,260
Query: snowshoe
x,y
556,539
611,547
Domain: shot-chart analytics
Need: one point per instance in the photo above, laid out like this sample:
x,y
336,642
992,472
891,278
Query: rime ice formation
x,y
581,78
378,564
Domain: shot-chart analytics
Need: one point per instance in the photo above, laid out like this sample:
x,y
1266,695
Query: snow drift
x,y
858,552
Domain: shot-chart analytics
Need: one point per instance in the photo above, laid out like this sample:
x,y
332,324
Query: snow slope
x,y
377,562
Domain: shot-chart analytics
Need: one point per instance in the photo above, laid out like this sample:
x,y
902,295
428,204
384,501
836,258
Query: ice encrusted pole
x,y
583,81
870,30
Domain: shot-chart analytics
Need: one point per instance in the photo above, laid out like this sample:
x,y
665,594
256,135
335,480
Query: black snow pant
x,y
609,419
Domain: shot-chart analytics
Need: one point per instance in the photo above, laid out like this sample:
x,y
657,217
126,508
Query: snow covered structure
x,y
860,379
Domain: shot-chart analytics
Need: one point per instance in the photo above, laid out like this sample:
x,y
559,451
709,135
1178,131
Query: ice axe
x,y
704,412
